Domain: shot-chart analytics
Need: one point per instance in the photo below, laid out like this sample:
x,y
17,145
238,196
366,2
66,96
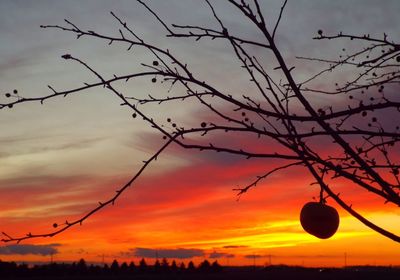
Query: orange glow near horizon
x,y
236,231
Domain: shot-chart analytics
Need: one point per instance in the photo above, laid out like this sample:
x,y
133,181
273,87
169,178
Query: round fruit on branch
x,y
319,219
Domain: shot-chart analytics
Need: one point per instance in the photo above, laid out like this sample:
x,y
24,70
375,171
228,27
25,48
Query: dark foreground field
x,y
242,273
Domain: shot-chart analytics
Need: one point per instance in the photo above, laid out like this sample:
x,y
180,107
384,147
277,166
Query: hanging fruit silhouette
x,y
319,219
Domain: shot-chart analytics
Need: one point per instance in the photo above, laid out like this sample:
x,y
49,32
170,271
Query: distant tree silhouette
x,y
174,267
204,266
106,269
165,265
81,266
157,266
95,270
191,267
356,120
132,267
10,270
182,267
216,267
142,265
115,271
114,268
73,269
124,269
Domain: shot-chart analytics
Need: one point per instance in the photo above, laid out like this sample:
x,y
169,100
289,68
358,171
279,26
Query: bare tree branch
x,y
277,111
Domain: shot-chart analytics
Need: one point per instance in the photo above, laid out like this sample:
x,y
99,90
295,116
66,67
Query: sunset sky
x,y
59,159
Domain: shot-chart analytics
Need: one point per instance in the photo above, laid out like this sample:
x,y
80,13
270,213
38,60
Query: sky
x,y
60,158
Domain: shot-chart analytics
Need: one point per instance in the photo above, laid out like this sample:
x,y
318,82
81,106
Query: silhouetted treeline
x,y
82,268
180,271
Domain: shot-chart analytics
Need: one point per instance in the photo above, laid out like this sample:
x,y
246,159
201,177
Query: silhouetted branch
x,y
262,177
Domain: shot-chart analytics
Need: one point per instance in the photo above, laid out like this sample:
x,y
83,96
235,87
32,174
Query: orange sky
x,y
59,159
194,208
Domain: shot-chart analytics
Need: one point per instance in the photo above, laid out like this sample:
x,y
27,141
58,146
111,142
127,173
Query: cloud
x,y
179,253
29,149
217,255
234,246
29,249
254,256
72,192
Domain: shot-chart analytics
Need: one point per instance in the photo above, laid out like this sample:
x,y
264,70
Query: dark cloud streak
x,y
234,246
217,255
254,256
178,253
29,249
